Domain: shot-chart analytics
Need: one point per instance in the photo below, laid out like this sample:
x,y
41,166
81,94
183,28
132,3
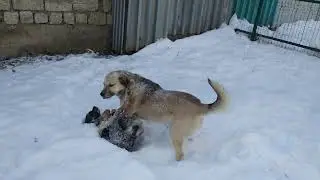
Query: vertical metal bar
x,y
114,25
117,28
246,9
143,34
176,22
214,4
148,25
193,17
167,18
125,22
151,15
183,17
266,7
210,10
120,25
253,8
242,6
157,20
216,13
224,11
201,15
271,12
138,24
237,6
256,21
205,14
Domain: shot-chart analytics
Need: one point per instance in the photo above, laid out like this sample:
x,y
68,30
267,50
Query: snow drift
x,y
270,130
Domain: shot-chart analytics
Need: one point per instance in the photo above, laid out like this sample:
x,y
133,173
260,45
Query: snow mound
x,y
269,131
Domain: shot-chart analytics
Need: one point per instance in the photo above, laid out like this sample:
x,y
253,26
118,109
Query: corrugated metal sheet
x,y
247,9
138,23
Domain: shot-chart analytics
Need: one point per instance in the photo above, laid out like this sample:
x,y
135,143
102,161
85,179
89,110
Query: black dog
x,y
117,128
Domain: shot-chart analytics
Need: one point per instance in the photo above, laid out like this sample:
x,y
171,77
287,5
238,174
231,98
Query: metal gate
x,y
296,25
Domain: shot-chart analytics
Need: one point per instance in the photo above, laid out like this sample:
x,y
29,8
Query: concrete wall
x,y
31,27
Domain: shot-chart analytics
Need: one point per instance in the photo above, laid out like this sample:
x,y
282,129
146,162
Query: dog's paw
x,y
179,156
113,112
106,114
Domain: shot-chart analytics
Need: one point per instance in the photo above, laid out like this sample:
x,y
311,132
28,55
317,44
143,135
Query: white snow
x,y
270,130
302,32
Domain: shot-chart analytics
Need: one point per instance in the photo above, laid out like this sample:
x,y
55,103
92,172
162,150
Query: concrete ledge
x,y
30,39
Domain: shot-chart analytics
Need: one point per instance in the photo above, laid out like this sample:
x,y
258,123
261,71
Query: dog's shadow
x,y
156,134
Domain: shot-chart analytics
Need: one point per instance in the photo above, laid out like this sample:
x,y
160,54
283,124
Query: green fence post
x,y
256,21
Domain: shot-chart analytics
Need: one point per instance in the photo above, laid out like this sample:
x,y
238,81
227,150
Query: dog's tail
x,y
221,102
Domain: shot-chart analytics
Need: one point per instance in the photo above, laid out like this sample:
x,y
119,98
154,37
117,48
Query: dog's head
x,y
93,116
114,83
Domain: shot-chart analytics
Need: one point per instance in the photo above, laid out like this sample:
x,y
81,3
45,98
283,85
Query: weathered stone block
x,y
68,18
1,17
97,18
81,18
4,4
26,17
85,5
40,18
107,4
11,17
28,4
55,18
53,39
109,19
58,5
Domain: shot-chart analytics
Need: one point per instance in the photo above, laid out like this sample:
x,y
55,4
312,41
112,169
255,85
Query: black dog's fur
x,y
117,128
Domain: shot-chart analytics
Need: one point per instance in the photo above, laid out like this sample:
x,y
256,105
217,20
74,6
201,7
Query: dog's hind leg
x,y
177,139
180,130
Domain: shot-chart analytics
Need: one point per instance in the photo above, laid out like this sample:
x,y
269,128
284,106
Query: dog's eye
x,y
110,85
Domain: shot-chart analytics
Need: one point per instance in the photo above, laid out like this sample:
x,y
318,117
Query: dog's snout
x,y
102,93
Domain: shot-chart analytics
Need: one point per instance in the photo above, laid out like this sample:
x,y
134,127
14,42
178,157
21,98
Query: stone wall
x,y
31,27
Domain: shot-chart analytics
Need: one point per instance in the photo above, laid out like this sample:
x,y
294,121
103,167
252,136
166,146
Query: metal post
x,y
256,21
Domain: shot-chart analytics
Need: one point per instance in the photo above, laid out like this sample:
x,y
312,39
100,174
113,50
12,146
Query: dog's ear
x,y
124,80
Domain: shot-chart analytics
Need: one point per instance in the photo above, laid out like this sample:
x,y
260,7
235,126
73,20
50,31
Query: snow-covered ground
x,y
269,132
302,32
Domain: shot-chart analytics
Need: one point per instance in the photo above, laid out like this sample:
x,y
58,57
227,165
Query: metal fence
x,y
293,24
137,23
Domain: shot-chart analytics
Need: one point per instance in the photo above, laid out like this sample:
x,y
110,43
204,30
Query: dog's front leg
x,y
130,106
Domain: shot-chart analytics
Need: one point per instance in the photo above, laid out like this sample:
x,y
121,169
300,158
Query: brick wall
x,y
54,26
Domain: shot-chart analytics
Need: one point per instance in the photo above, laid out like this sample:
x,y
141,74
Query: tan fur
x,y
148,100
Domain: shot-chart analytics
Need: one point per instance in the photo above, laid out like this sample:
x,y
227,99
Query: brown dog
x,y
149,101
